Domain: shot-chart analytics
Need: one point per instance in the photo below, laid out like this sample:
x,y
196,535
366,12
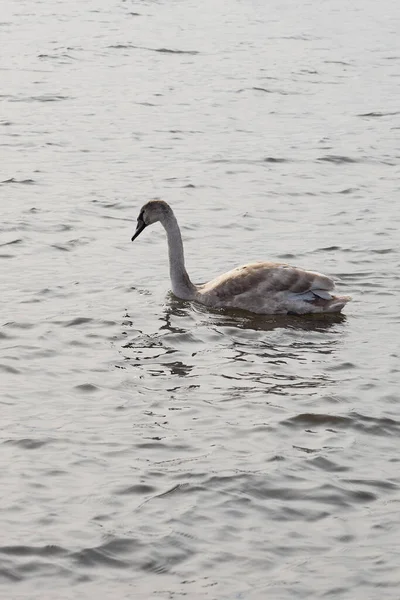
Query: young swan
x,y
262,287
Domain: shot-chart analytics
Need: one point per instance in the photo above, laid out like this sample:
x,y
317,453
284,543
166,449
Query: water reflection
x,y
246,320
230,353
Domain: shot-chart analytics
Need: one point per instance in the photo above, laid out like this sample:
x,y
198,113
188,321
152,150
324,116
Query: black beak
x,y
139,228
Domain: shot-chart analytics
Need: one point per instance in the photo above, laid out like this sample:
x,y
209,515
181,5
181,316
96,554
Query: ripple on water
x,y
12,242
9,369
137,489
382,426
116,553
338,159
20,181
28,443
21,562
86,388
42,98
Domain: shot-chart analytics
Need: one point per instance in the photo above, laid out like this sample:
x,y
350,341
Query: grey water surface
x,y
151,448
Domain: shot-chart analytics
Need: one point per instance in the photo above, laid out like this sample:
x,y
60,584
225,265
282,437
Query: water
x,y
151,448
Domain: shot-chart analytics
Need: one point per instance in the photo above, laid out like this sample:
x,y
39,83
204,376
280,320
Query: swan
x,y
261,287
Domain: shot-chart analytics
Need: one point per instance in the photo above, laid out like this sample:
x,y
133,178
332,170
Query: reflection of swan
x,y
263,288
239,319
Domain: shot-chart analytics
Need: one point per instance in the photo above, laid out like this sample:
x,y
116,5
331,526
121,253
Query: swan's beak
x,y
140,226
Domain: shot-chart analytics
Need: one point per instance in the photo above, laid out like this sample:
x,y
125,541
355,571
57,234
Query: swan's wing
x,y
268,279
284,278
272,288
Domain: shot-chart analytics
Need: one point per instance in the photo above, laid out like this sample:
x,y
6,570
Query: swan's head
x,y
151,212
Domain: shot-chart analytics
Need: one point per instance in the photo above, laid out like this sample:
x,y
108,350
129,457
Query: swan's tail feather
x,y
317,301
326,302
336,304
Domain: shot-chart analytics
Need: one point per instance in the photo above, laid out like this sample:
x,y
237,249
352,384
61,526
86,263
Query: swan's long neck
x,y
181,284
